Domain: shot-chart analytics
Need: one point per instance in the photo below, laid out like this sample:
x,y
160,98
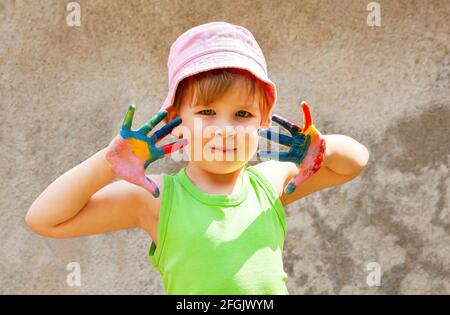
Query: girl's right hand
x,y
130,152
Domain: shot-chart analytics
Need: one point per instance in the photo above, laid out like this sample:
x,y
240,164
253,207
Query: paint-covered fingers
x,y
309,166
290,126
276,155
275,136
165,130
152,122
157,153
174,146
293,128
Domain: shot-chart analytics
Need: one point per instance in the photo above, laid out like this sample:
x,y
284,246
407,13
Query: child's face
x,y
229,123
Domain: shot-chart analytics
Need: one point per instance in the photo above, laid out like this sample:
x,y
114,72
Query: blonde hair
x,y
208,86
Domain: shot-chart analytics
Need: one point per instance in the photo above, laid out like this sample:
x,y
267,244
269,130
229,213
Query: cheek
x,y
253,138
248,139
198,140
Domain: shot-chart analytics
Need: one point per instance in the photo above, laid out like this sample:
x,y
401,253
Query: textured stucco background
x,y
64,90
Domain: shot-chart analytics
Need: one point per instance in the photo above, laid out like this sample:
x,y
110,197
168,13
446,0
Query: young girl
x,y
217,225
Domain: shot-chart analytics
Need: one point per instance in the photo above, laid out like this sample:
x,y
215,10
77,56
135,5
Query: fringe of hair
x,y
209,86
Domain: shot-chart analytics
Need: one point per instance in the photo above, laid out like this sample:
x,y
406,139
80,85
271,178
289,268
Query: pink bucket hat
x,y
216,45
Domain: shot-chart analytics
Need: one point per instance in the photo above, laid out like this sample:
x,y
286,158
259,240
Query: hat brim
x,y
218,60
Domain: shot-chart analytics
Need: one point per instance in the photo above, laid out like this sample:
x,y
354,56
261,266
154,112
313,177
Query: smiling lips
x,y
223,150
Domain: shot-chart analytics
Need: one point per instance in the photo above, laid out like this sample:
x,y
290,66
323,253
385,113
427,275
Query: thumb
x,y
149,185
309,166
292,186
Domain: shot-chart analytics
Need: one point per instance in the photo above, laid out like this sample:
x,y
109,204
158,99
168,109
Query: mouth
x,y
224,149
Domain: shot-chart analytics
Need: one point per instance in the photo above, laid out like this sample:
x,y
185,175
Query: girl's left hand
x,y
307,147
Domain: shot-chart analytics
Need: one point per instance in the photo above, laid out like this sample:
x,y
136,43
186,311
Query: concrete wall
x,y
64,91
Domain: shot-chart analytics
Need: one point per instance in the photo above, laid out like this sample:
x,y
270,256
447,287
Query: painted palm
x,y
130,152
307,146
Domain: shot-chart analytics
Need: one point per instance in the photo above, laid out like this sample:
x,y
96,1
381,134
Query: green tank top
x,y
219,243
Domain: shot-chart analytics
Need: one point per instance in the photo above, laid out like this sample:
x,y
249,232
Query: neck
x,y
214,183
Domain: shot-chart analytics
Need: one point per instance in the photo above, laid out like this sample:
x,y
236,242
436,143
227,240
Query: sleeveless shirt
x,y
220,243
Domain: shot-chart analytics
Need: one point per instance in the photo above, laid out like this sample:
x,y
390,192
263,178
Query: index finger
x,y
290,126
152,122
166,129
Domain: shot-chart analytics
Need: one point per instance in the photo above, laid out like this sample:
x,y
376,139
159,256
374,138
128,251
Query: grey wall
x,y
64,91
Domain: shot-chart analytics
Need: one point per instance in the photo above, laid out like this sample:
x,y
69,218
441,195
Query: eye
x,y
244,114
206,112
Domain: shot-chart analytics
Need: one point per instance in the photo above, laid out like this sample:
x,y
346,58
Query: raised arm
x,y
83,200
313,162
344,160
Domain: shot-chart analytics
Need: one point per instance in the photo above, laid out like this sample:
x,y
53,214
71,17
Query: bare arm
x,y
314,161
70,192
344,155
345,158
83,201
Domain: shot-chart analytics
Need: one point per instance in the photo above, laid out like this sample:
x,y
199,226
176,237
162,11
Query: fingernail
x,y
156,193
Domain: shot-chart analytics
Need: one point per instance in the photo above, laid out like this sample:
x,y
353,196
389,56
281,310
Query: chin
x,y
222,167
223,163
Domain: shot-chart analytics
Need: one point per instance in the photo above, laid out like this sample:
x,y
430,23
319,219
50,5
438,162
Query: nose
x,y
229,131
